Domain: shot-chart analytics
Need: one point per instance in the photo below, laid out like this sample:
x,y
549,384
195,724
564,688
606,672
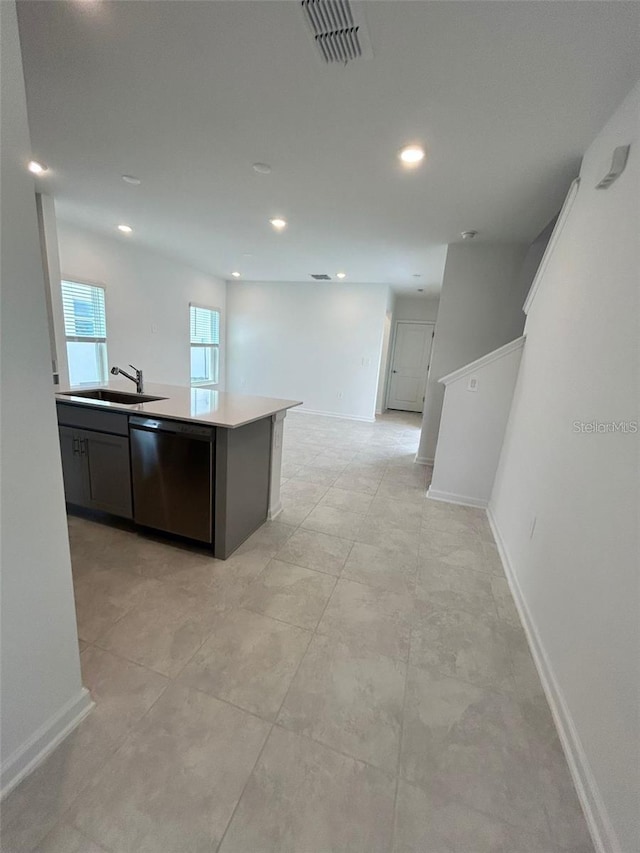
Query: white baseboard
x,y
602,832
274,511
423,460
27,757
332,415
449,497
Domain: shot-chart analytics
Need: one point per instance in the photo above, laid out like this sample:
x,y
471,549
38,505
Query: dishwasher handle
x,y
181,428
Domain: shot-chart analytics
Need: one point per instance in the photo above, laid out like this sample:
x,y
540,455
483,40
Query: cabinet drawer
x,y
85,417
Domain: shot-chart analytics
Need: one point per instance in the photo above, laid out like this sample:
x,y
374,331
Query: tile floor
x,y
354,678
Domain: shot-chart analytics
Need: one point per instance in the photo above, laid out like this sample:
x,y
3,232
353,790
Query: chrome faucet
x,y
137,378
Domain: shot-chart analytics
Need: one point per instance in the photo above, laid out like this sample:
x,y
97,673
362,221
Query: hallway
x,y
354,678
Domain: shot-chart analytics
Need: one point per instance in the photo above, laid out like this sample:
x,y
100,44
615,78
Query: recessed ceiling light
x,y
126,229
37,168
131,179
468,235
412,154
235,274
341,275
417,275
278,223
262,168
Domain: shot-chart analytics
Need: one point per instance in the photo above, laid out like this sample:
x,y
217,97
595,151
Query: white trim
x,y
555,234
451,498
274,511
423,460
27,757
392,350
602,832
335,415
490,357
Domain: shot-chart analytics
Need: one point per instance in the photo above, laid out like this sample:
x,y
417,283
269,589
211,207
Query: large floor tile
x,y
348,700
466,645
267,539
347,499
387,535
249,660
373,621
505,604
366,482
404,514
566,820
66,839
426,823
317,551
221,583
290,593
162,632
34,808
123,691
174,783
295,510
452,588
305,798
334,522
103,597
303,491
454,549
379,567
470,744
319,476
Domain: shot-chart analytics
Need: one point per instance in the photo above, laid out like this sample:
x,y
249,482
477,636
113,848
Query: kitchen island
x,y
193,462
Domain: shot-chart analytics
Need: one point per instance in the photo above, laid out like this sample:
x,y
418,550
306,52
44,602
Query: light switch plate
x,y
472,384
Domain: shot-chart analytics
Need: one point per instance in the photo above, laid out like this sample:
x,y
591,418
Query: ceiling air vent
x,y
321,276
338,30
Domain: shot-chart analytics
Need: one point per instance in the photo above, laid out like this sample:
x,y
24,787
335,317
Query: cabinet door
x,y
108,472
73,466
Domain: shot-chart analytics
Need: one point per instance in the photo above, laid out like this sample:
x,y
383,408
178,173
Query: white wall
x,y
472,427
41,689
578,575
415,308
310,342
480,309
147,301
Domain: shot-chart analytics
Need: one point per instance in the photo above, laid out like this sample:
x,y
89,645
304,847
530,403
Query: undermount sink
x,y
107,396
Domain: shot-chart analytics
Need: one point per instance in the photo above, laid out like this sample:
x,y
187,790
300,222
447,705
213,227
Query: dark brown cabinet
x,y
96,470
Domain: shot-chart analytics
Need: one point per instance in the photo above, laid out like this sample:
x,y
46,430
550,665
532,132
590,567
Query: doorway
x,y
409,365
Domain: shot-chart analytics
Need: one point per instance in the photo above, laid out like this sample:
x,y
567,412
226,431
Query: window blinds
x,y
84,311
204,325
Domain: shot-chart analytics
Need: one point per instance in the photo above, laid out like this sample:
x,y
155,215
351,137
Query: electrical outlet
x,y
472,384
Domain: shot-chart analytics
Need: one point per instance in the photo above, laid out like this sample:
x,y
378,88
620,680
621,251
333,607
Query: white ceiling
x,y
187,95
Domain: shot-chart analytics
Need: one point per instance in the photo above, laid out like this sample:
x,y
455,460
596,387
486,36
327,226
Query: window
x,y
205,345
85,328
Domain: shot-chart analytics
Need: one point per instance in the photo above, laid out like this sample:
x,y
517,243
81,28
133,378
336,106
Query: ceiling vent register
x,y
338,30
320,276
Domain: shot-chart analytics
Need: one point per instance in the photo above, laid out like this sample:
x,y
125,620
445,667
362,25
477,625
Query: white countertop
x,y
201,405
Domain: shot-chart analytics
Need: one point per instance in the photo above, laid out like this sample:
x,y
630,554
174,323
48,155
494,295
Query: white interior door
x,y
409,365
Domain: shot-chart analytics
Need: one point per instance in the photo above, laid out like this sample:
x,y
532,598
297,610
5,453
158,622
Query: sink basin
x,y
108,396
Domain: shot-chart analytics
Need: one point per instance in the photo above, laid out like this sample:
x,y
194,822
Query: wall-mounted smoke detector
x,y
618,162
468,235
338,30
320,276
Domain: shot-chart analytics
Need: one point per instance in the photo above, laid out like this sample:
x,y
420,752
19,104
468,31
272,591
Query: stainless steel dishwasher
x,y
172,468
